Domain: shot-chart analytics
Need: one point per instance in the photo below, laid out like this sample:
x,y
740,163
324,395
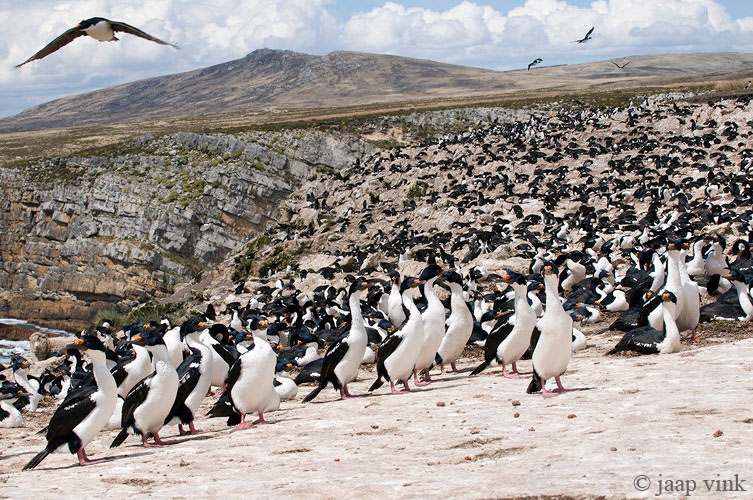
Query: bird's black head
x,y
452,276
409,282
513,277
431,271
395,276
88,23
88,342
192,324
674,244
20,363
549,268
149,335
669,297
358,285
258,323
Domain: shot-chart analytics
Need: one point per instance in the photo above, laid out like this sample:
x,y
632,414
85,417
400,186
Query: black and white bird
x,y
10,416
147,405
585,38
83,413
534,63
343,357
459,325
434,324
194,378
552,353
507,343
649,340
398,353
100,29
21,375
250,381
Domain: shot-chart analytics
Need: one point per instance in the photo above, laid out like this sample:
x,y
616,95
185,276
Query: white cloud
x,y
547,28
470,33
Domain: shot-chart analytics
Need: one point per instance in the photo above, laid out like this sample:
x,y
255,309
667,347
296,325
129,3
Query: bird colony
x,y
502,243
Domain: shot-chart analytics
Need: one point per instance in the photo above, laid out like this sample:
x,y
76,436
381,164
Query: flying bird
x,y
98,28
621,67
534,63
585,38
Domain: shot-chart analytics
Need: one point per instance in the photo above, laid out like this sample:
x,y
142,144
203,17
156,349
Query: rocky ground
x,y
680,417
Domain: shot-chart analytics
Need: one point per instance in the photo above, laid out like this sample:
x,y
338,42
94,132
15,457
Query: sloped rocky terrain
x,y
494,193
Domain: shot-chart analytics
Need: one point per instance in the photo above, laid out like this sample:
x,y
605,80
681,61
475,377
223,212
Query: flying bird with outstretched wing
x,y
534,63
585,38
98,28
621,67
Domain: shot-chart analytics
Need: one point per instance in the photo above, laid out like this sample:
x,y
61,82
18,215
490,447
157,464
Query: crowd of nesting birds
x,y
522,232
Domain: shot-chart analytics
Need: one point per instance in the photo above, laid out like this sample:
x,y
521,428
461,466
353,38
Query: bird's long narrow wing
x,y
56,44
127,28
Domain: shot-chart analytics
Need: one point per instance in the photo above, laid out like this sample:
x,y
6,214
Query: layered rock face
x,y
80,235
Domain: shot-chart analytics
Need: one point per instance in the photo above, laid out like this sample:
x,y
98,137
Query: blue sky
x,y
500,35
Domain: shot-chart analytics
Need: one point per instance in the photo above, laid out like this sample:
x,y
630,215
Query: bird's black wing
x,y
589,33
70,413
127,28
56,44
335,353
494,340
385,349
119,372
223,352
188,377
232,375
134,399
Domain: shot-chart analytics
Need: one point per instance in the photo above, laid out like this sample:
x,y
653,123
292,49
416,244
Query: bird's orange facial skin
x,y
79,341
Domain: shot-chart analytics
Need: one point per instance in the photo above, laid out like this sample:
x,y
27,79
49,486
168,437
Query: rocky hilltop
x,y
83,234
279,79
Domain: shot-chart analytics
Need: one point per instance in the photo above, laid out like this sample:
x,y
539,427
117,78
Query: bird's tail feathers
x,y
36,460
535,385
314,393
376,385
480,368
122,435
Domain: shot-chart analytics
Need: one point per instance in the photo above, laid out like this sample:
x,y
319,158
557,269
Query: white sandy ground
x,y
458,438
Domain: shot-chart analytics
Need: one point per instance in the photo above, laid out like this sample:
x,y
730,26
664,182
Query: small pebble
x,y
441,403
516,403
516,415
718,433
572,415
612,449
337,460
531,429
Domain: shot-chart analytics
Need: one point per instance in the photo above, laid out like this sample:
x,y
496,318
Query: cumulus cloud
x,y
471,33
547,28
206,32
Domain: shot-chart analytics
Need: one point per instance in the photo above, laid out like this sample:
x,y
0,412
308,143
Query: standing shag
x,y
343,357
83,413
147,405
194,378
552,353
397,354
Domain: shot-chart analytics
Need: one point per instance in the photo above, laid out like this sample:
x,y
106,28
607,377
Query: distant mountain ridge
x,y
269,78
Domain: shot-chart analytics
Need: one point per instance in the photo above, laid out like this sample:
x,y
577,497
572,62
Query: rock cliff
x,y
85,234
